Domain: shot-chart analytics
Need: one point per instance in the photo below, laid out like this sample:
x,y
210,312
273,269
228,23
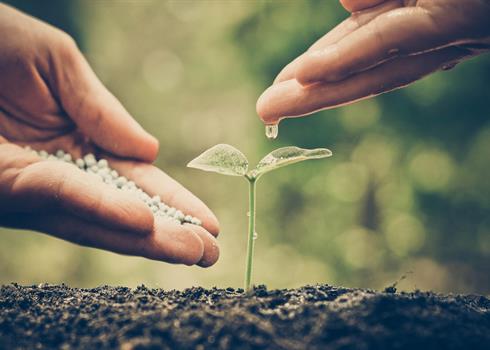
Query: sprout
x,y
227,160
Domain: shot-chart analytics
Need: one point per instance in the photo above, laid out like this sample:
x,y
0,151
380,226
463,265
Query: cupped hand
x,y
382,46
51,99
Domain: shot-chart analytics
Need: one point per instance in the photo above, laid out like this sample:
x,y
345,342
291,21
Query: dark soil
x,y
312,317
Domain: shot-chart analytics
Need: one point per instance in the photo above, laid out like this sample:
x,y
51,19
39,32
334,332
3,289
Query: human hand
x,y
382,46
51,99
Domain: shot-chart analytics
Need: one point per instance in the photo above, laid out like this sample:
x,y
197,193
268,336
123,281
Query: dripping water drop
x,y
271,131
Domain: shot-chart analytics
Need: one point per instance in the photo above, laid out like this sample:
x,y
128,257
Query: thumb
x,y
96,112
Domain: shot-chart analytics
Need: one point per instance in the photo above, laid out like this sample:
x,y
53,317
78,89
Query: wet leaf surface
x,y
289,155
223,159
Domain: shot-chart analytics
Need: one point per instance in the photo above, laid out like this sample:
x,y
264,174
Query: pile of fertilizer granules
x,y
111,177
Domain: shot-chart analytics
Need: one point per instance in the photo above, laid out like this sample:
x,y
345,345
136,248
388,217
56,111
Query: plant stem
x,y
251,233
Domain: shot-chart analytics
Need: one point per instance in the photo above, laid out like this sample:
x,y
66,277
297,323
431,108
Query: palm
x,y
55,130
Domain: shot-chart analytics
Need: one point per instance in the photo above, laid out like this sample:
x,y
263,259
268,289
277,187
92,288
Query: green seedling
x,y
227,160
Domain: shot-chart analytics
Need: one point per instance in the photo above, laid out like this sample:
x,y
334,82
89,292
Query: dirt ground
x,y
311,317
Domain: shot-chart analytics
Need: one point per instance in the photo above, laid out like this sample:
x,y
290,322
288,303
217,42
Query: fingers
x,y
44,185
291,99
346,27
155,182
289,71
210,245
399,32
167,242
96,111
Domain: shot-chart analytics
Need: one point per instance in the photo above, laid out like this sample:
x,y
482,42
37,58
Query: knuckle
x,y
67,48
67,40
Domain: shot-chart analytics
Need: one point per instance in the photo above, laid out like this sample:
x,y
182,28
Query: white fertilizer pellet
x,y
111,177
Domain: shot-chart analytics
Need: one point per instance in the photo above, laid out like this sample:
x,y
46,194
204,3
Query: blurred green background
x,y
407,189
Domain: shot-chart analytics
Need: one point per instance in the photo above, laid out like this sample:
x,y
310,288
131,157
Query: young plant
x,y
227,160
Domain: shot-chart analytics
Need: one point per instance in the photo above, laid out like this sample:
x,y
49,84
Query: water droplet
x,y
271,131
256,235
393,52
448,66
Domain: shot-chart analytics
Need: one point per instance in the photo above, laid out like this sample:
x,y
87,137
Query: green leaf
x,y
223,159
288,155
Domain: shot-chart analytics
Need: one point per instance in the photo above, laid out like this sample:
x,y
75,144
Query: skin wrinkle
x,y
50,87
7,108
52,78
36,81
377,33
44,89
71,88
356,20
46,120
437,24
30,124
30,134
